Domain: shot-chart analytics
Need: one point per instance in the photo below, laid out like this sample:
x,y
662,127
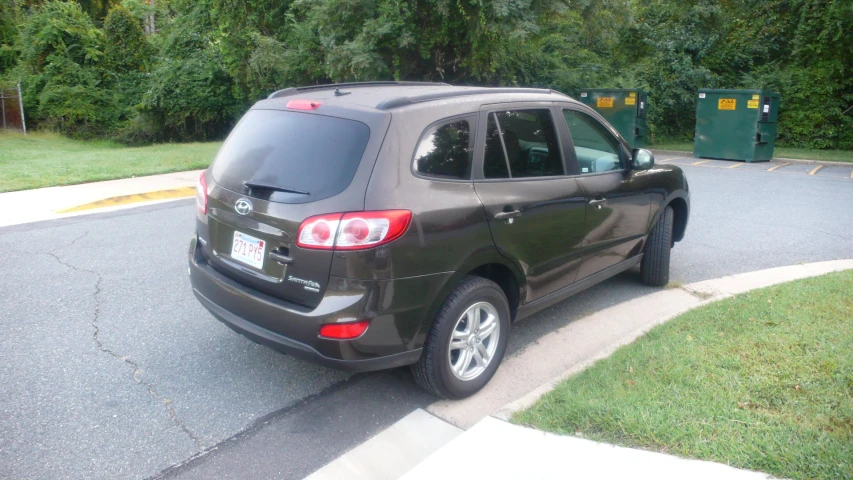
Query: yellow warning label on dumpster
x,y
756,96
727,104
631,101
752,103
604,102
632,94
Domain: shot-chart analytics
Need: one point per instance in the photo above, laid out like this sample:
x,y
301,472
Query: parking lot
x,y
773,166
110,367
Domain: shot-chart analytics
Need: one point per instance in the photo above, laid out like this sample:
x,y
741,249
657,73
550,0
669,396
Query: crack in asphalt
x,y
137,371
255,426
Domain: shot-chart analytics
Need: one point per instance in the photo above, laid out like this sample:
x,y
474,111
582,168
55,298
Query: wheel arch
x,y
680,211
486,263
680,203
504,277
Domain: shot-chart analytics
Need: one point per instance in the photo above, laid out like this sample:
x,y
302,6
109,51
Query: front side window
x,y
521,143
445,151
596,149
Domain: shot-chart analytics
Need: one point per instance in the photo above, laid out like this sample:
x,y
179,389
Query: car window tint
x,y
309,153
445,151
494,162
530,142
597,149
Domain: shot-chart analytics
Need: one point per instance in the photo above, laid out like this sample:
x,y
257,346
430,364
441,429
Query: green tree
x,y
126,49
61,51
817,85
190,95
204,62
9,33
60,28
96,9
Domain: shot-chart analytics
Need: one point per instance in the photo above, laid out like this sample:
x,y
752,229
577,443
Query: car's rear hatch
x,y
277,168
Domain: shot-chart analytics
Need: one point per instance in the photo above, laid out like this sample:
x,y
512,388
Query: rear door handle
x,y
507,215
282,259
597,201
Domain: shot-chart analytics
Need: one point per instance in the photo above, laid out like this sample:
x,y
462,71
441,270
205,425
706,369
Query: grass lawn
x,y
778,152
47,159
762,381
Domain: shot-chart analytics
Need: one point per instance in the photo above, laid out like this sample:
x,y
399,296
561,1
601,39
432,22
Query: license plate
x,y
248,249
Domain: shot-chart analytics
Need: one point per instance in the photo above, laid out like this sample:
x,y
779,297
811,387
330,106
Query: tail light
x,y
201,193
343,331
353,231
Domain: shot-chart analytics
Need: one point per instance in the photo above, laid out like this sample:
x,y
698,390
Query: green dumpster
x,y
736,124
625,109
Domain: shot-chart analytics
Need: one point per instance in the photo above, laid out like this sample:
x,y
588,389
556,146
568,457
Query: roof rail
x,y
286,92
426,97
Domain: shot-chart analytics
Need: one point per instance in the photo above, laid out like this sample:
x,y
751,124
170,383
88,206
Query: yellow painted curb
x,y
771,169
135,198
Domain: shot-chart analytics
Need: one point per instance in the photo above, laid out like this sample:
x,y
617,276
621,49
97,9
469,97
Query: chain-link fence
x,y
11,108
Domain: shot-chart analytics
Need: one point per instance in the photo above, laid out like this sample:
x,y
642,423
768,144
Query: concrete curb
x,y
790,160
50,203
515,451
417,446
711,291
124,200
393,451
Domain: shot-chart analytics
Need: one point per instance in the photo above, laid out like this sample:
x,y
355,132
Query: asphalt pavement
x,y
110,368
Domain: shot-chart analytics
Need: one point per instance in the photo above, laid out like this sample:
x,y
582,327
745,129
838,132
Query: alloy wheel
x,y
474,341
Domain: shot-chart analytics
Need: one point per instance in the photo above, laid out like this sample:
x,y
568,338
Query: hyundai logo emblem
x,y
243,206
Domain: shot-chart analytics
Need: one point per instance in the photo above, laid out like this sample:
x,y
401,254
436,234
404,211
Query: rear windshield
x,y
290,157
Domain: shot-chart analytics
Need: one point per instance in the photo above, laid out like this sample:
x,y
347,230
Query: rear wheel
x,y
654,270
467,340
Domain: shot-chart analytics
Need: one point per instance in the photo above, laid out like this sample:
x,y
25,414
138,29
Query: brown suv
x,y
383,224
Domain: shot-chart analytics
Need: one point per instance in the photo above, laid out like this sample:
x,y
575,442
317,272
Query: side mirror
x,y
642,159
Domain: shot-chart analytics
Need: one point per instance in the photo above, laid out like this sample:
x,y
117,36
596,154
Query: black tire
x,y
654,270
433,370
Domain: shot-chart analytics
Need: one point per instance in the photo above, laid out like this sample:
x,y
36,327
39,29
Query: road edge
x,y
827,163
363,461
712,291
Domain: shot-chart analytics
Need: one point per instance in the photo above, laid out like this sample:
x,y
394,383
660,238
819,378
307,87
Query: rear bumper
x,y
397,310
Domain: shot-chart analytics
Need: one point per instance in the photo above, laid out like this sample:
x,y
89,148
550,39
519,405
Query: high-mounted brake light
x,y
344,331
303,104
201,194
353,231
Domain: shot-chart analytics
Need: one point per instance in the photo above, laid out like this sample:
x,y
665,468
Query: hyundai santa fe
x,y
386,224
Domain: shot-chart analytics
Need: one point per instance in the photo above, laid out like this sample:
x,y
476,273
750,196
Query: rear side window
x,y
290,157
522,143
495,164
445,151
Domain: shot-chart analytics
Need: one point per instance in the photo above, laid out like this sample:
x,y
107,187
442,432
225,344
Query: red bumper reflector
x,y
303,104
343,331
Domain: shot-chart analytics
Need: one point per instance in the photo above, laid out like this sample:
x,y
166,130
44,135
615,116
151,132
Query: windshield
x,y
290,157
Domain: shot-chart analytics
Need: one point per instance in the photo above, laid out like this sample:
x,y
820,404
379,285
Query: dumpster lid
x,y
732,91
640,90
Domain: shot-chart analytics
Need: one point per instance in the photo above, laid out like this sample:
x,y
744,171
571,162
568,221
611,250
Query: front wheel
x,y
654,270
467,340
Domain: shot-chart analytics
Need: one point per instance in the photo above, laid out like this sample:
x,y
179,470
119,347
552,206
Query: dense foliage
x,y
149,70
